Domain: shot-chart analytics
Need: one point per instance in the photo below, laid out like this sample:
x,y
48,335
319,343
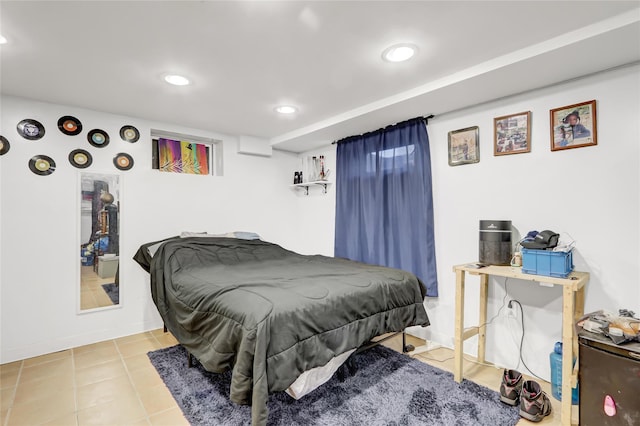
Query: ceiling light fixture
x,y
399,52
176,80
3,40
286,109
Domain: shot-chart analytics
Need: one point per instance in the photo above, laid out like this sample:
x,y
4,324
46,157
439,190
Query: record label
x,y
69,125
123,161
42,165
129,134
30,129
98,138
4,145
80,158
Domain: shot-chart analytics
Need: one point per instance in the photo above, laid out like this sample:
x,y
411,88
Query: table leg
x,y
568,311
482,328
459,327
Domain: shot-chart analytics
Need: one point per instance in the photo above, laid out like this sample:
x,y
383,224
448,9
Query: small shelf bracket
x,y
306,185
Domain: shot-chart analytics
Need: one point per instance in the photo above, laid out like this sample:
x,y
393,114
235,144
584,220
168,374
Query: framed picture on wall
x,y
573,126
464,146
512,134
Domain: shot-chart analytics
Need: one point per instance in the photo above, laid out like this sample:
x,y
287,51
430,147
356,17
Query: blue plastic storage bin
x,y
556,376
545,262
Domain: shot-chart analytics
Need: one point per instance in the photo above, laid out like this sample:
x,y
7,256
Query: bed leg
x,y
406,348
190,360
164,327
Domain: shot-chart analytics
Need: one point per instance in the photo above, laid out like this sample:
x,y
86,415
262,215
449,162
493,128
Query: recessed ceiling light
x,y
176,80
3,40
286,109
399,52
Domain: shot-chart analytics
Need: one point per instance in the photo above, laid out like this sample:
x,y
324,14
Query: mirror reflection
x,y
99,240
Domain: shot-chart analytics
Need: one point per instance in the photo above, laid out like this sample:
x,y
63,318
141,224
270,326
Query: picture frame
x,y
573,126
512,134
464,146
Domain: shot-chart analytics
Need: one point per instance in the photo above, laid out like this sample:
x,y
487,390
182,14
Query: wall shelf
x,y
306,185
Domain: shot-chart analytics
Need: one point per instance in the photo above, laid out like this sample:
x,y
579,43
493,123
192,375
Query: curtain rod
x,y
426,119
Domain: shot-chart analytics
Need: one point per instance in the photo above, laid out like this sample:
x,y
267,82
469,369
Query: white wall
x,y
39,218
590,193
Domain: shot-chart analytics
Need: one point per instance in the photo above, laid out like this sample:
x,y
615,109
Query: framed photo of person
x,y
464,146
573,126
512,134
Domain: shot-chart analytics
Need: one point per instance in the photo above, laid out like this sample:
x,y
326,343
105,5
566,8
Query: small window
x,y
401,158
178,153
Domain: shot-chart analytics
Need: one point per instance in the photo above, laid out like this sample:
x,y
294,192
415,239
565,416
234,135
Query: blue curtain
x,y
384,205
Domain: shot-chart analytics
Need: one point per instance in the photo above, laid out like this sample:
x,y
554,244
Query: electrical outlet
x,y
511,309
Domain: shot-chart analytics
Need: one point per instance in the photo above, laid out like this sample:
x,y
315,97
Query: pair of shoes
x,y
534,403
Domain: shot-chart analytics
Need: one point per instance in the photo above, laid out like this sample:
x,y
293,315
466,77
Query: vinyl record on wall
x,y
98,138
5,146
69,125
30,129
123,161
129,134
80,158
42,165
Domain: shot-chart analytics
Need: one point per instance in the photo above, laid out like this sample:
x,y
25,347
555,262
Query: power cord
x,y
510,305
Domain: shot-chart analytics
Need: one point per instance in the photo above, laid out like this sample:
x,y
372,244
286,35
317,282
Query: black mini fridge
x,y
609,377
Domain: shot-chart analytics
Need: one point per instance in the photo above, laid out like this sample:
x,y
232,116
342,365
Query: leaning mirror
x,y
99,240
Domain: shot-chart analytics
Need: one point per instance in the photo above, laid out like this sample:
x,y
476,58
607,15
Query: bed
x,y
270,314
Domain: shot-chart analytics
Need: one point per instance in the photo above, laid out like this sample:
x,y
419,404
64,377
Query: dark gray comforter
x,y
270,314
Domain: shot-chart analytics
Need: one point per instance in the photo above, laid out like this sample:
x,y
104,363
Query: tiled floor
x,y
92,295
114,383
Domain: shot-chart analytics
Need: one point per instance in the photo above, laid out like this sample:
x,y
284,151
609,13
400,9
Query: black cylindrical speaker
x,y
495,242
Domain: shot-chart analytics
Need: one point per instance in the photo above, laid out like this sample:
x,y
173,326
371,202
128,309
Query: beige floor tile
x,y
10,366
166,340
158,332
9,379
43,410
35,390
137,362
96,373
57,368
138,347
6,398
157,399
107,344
145,378
104,392
123,411
99,356
147,335
30,362
67,420
173,417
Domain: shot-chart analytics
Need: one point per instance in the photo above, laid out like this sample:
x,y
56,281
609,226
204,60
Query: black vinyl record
x,y
69,125
5,146
129,134
80,158
30,129
98,138
123,161
42,165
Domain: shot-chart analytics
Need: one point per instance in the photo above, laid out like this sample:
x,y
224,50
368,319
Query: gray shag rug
x,y
387,388
113,291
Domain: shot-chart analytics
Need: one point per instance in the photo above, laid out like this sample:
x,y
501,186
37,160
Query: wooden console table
x,y
572,310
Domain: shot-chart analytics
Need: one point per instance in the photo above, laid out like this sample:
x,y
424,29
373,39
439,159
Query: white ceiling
x,y
244,58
